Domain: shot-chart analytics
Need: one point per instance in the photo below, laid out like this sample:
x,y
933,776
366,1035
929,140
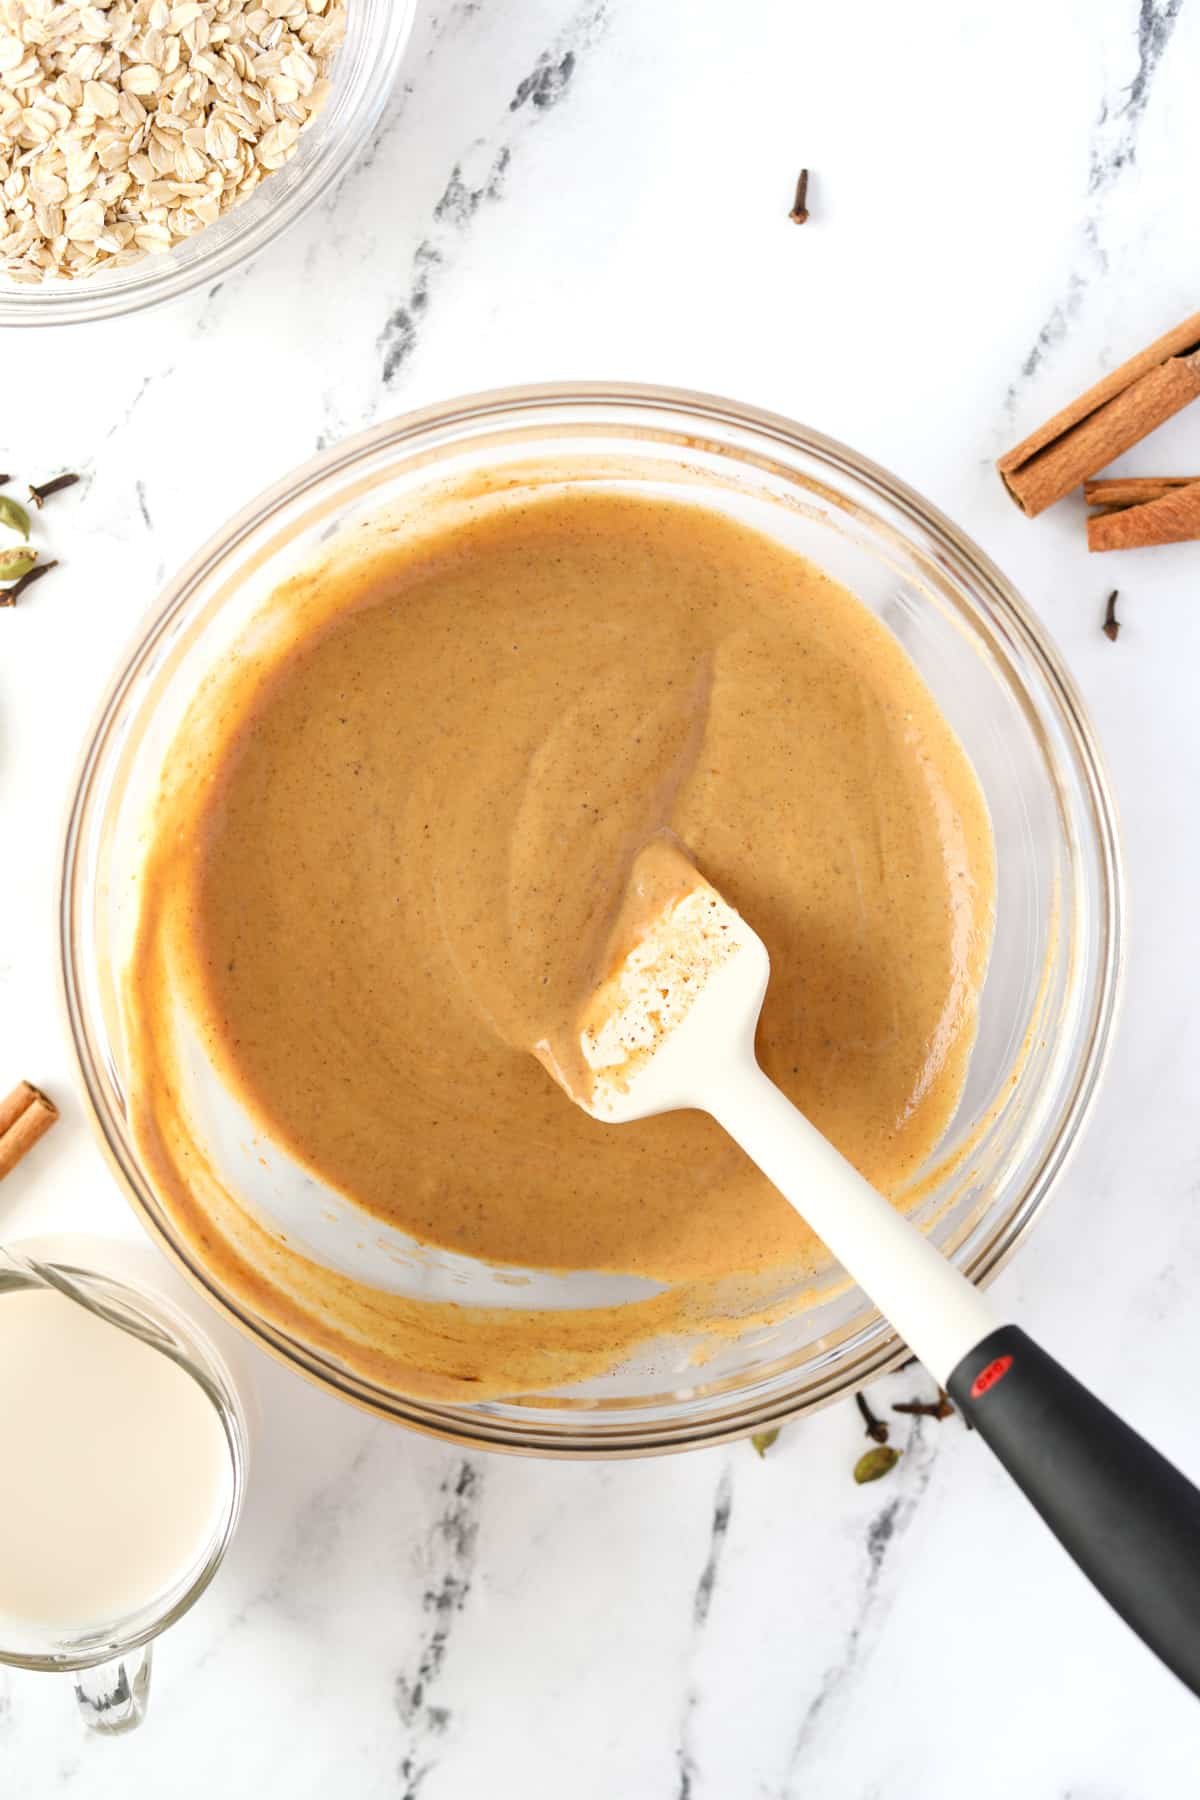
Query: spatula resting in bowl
x,y
671,1025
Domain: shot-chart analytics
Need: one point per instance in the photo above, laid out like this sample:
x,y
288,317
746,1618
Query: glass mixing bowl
x,y
363,75
1048,1002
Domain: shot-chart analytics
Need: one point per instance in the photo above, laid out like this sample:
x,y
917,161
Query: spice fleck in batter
x,y
397,862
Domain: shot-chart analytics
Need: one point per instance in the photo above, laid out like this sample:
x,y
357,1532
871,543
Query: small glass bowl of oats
x,y
148,146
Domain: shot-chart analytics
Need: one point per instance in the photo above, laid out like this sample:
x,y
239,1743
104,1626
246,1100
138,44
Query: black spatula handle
x,y
1130,1520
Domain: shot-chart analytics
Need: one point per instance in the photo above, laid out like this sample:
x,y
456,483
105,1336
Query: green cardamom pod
x,y
762,1440
14,516
14,563
874,1464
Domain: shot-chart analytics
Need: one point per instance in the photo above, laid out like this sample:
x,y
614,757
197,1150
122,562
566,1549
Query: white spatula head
x,y
683,981
670,1024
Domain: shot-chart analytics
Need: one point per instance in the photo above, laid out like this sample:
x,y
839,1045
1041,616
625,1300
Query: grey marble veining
x,y
885,1533
449,1560
478,177
701,1606
1112,150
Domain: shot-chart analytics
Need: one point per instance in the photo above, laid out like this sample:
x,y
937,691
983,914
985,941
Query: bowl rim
x,y
595,1434
254,224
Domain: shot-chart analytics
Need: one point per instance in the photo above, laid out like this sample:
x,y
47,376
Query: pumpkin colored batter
x,y
401,848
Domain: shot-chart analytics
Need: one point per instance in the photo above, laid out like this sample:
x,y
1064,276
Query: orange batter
x,y
395,862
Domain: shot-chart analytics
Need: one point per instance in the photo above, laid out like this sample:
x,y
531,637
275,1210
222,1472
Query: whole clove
x,y
941,1408
799,212
42,492
10,595
1112,625
877,1429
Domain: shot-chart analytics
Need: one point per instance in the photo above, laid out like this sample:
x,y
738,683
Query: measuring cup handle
x,y
113,1696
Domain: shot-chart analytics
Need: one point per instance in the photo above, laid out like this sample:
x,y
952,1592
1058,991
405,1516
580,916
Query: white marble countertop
x,y
1002,206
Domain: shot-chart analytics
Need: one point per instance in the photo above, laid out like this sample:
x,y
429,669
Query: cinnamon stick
x,y
1112,416
1132,490
25,1115
1171,518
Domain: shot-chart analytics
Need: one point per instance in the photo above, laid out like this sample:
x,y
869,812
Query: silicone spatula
x,y
672,1025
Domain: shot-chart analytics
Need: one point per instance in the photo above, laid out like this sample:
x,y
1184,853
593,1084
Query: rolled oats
x,y
128,127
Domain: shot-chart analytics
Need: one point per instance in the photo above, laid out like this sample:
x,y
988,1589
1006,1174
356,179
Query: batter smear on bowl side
x,y
386,866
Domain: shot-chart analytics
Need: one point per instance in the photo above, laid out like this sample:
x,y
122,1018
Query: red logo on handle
x,y
987,1378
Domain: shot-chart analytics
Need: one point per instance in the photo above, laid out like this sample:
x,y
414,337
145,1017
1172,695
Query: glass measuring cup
x,y
110,1659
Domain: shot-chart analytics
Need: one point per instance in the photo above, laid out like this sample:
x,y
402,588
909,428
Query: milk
x,y
114,1469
